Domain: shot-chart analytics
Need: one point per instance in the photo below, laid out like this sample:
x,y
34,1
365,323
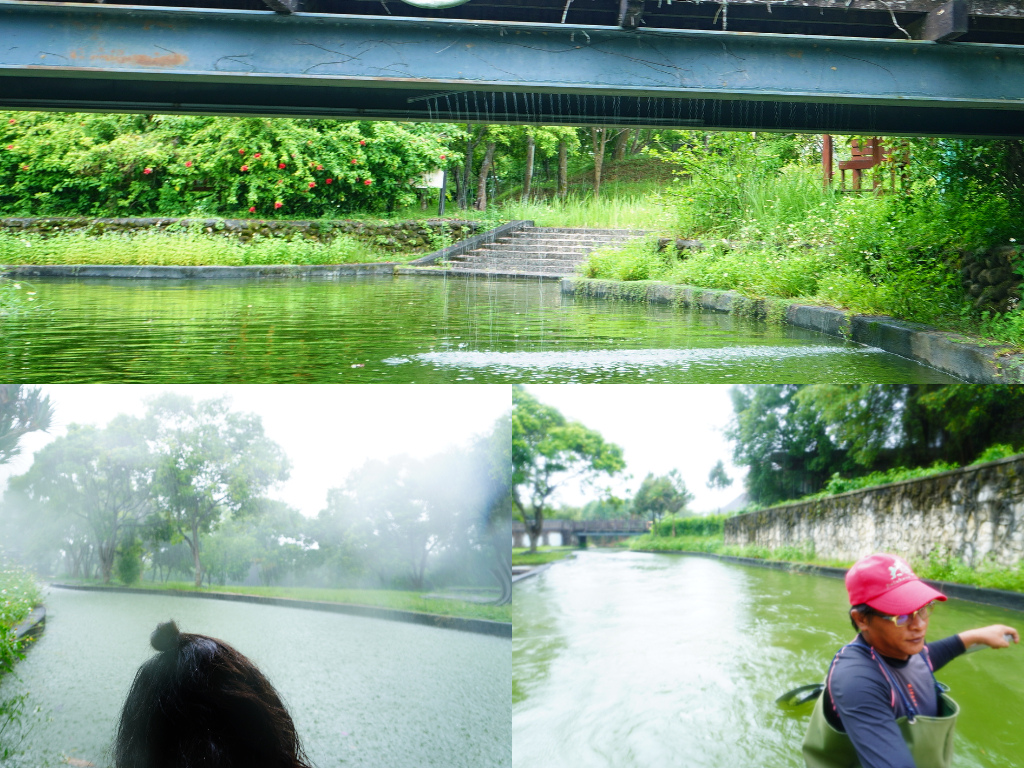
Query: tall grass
x,y
180,249
626,212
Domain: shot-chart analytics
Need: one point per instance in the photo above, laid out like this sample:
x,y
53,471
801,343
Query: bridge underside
x,y
222,61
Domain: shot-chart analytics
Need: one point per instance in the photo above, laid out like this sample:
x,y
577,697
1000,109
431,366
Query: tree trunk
x,y
194,544
467,169
621,142
599,137
563,170
535,527
481,184
531,148
107,553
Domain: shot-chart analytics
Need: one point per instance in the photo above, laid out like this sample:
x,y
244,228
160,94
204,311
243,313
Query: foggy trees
x,y
22,410
548,451
183,491
209,461
100,477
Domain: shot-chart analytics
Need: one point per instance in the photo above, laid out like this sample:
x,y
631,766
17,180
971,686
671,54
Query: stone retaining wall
x,y
399,235
975,514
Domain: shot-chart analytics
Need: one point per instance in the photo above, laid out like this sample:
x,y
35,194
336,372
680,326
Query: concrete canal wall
x,y
975,514
950,353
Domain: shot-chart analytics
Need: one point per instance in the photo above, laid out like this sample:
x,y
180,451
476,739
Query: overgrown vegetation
x,y
19,594
771,229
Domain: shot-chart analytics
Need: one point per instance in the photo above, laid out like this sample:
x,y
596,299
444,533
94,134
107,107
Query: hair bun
x,y
165,637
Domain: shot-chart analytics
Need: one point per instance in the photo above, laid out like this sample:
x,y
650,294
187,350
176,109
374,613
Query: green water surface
x,y
632,659
404,330
362,692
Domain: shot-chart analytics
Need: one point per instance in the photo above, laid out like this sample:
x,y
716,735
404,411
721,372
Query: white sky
x,y
660,427
329,430
325,430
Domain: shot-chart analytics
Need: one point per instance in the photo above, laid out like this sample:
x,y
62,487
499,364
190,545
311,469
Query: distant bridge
x,y
577,532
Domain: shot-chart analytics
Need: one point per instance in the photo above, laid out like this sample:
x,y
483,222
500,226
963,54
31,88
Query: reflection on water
x,y
362,692
406,329
630,659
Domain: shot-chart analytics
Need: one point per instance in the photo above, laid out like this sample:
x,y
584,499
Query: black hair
x,y
864,610
201,702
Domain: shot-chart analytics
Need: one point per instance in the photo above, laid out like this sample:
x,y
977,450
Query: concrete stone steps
x,y
541,250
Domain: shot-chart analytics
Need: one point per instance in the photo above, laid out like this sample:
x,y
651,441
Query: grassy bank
x,y
541,556
381,598
183,249
19,594
935,567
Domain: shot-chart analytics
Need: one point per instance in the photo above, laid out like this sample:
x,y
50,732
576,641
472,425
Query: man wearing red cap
x,y
881,707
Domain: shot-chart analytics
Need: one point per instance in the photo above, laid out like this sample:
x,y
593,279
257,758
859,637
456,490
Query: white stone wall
x,y
975,513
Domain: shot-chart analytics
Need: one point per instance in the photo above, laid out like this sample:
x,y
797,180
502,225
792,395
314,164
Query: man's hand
x,y
995,636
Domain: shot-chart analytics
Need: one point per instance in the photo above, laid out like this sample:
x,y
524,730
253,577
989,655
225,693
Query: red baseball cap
x,y
886,583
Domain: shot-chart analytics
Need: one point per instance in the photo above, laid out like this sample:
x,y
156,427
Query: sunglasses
x,y
904,618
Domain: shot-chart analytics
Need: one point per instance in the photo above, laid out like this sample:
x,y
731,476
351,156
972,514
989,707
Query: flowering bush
x,y
119,165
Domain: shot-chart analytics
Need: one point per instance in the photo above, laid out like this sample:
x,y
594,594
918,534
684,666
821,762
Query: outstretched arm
x,y
995,636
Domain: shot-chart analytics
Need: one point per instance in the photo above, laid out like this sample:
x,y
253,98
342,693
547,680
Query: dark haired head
x,y
201,702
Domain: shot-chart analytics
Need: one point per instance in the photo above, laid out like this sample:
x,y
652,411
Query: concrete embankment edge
x,y
948,352
282,271
999,598
533,571
33,624
479,626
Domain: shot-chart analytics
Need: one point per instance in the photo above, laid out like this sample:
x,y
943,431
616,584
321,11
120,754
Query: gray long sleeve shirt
x,y
860,701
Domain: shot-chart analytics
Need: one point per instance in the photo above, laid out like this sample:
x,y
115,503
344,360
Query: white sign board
x,y
432,180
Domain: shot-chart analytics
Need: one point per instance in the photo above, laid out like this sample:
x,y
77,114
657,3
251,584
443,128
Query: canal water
x,y
362,692
629,659
405,330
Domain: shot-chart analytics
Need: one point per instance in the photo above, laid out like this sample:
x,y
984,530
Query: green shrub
x,y
129,562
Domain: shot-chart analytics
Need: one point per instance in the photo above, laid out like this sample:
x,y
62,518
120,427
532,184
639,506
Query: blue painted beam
x,y
124,58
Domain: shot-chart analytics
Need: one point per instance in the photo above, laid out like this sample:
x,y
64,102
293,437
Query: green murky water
x,y
362,692
630,659
403,330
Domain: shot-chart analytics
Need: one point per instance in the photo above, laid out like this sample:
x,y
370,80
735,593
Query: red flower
x,y
10,146
354,161
329,180
245,168
148,170
281,166
367,182
444,157
253,209
12,121
277,205
312,184
257,155
319,167
362,143
241,151
188,163
24,167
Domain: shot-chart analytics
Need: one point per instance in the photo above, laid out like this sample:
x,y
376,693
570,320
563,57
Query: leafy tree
x,y
96,483
717,478
22,410
787,449
548,451
607,508
210,461
129,561
662,495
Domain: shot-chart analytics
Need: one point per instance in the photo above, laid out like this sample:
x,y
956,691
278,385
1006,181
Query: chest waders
x,y
930,739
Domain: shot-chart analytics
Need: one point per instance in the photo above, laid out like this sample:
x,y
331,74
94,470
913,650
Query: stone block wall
x,y
975,513
402,236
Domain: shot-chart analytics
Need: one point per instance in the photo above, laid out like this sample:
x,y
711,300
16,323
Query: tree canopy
x,y
794,438
549,451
